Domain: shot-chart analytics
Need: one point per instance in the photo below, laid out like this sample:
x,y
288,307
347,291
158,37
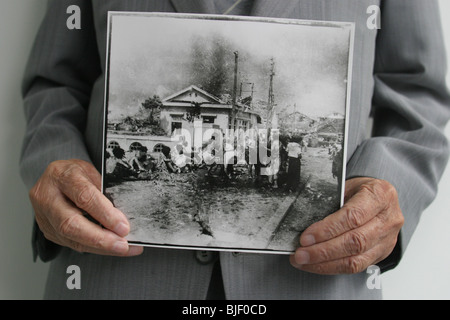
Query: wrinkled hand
x,y
64,191
362,233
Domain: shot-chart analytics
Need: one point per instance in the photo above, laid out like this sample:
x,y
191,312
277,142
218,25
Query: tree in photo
x,y
153,104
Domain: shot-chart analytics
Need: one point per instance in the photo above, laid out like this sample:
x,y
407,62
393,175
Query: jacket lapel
x,y
264,8
194,6
270,8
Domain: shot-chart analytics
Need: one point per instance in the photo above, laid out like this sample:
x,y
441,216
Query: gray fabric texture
x,y
398,78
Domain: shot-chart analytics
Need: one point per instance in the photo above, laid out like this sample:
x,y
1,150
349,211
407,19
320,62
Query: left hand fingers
x,y
364,231
351,252
346,265
363,205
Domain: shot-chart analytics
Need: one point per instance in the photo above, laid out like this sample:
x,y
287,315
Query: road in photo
x,y
191,208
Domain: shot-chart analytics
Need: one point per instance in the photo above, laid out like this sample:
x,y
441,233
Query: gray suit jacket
x,y
398,80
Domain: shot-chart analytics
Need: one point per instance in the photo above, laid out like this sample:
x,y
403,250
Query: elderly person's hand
x,y
64,191
362,233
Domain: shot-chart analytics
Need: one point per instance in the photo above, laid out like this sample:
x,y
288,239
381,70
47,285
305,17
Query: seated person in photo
x,y
168,160
197,158
180,159
141,161
116,166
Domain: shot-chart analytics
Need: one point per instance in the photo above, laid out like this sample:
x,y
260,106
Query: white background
x,y
423,273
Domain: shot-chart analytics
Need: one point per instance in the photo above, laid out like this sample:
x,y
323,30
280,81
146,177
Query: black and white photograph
x,y
224,132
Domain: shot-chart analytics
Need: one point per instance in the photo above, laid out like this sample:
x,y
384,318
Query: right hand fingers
x,y
65,189
66,225
77,182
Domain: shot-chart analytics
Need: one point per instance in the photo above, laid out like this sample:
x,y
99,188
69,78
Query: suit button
x,y
206,257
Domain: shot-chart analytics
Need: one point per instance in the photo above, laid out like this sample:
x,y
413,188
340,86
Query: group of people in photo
x,y
267,161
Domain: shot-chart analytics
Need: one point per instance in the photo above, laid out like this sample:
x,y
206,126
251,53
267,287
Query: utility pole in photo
x,y
234,97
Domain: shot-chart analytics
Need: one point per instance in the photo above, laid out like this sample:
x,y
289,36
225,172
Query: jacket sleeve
x,y
61,70
56,88
411,107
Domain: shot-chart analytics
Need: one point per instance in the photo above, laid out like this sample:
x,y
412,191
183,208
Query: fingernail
x,y
120,247
135,250
302,257
121,229
307,240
